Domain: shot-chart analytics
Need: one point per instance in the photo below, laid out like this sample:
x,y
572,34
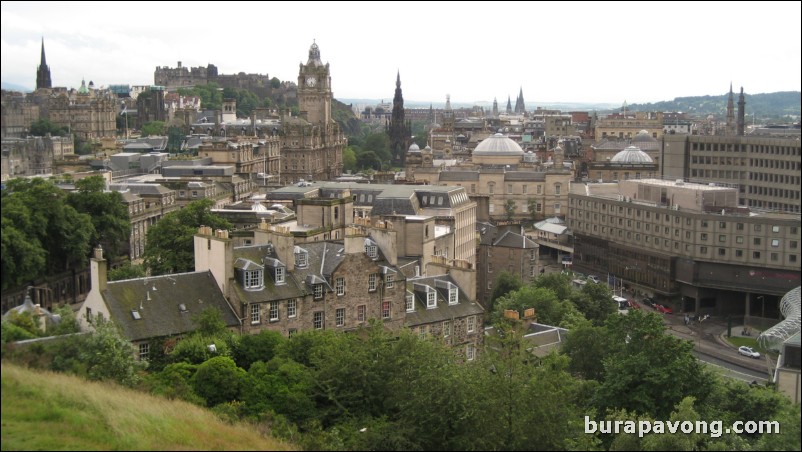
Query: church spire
x,y
400,131
43,71
509,105
398,80
730,130
520,107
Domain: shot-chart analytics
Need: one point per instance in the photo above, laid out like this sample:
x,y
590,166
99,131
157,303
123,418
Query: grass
x,y
751,342
49,411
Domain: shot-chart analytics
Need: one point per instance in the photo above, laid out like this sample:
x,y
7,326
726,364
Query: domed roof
x,y
644,137
631,154
498,144
414,148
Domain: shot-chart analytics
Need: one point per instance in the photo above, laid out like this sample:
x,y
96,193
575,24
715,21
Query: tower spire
x,y
43,71
730,130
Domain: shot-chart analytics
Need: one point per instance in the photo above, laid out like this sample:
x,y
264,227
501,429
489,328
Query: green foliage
x,y
531,204
68,323
108,213
127,271
210,322
174,382
595,302
548,308
559,283
24,321
170,245
281,386
646,370
11,332
195,349
41,233
153,128
218,380
349,159
256,347
765,105
108,355
275,83
509,209
42,127
505,283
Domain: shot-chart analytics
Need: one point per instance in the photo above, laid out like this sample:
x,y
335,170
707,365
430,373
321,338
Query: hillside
x,y
779,105
48,411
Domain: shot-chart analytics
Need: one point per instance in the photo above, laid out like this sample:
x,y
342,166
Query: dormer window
x,y
279,275
253,279
410,302
301,257
371,249
431,299
453,296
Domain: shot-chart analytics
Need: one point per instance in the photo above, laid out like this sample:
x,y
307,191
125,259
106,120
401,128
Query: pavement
x,y
709,338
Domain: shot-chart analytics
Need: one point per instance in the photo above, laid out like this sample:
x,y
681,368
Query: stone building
x,y
88,113
312,144
503,250
33,155
627,124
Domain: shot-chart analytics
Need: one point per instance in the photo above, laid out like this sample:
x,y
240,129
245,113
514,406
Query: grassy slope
x,y
48,411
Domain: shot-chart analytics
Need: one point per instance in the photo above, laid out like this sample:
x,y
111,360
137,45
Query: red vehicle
x,y
663,309
633,304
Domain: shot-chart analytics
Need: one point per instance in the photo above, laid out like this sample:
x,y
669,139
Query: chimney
x,y
98,270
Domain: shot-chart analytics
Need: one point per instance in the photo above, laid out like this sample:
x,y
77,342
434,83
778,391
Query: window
x,y
255,315
757,241
318,320
385,309
339,286
775,257
523,188
291,332
793,244
274,311
792,258
739,239
361,313
775,243
703,237
453,296
372,282
775,229
470,352
371,251
557,189
722,238
318,291
739,226
253,279
703,249
292,308
279,275
509,189
756,255
471,324
144,351
431,300
301,259
339,317
722,252
446,328
722,225
422,332
410,301
490,188
739,253
704,223
389,280
473,188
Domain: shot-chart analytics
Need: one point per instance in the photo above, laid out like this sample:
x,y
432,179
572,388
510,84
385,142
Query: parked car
x,y
748,351
648,301
663,309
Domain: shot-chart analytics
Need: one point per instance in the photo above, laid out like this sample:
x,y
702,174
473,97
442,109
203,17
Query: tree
x,y
153,128
108,355
368,159
349,159
505,283
594,301
108,213
509,209
170,245
531,203
127,271
218,380
275,83
256,347
282,386
42,127
548,308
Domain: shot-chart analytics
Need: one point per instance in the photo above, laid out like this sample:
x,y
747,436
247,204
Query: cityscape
x,y
329,269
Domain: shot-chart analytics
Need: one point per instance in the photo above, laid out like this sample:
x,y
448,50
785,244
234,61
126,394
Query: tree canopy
x,y
170,245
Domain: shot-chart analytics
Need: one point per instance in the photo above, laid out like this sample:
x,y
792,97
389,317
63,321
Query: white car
x,y
594,278
747,351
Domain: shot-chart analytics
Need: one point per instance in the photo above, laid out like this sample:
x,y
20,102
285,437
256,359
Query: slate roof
x,y
263,255
459,175
525,176
443,311
512,240
159,310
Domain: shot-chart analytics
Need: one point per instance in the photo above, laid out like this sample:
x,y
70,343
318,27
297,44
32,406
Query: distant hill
x,y
14,87
48,411
779,105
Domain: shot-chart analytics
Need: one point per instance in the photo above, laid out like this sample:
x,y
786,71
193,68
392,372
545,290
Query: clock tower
x,y
312,144
314,89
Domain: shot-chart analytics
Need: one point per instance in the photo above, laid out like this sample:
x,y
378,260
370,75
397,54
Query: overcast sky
x,y
474,51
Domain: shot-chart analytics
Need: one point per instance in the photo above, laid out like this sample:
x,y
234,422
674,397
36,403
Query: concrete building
x,y
691,245
765,170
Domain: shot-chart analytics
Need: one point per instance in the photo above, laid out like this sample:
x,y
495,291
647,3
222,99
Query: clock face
x,y
311,81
